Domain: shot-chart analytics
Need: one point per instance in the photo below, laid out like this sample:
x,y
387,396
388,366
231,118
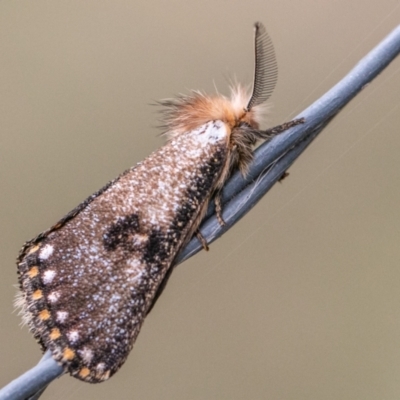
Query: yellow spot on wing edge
x,y
55,334
84,372
68,354
33,249
102,376
34,271
38,294
44,315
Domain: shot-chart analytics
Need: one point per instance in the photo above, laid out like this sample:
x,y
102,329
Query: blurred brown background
x,y
301,300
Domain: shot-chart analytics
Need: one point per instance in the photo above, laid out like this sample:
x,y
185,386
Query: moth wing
x,y
89,281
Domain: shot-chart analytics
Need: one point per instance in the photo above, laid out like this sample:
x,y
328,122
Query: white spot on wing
x,y
48,276
62,316
101,367
73,336
86,354
210,133
53,297
46,252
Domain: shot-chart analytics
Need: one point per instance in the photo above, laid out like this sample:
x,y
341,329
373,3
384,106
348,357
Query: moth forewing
x,y
90,281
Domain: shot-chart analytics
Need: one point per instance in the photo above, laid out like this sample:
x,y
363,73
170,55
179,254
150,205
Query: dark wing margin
x,y
266,68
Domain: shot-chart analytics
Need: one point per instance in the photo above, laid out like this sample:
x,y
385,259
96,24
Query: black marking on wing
x,y
121,234
199,193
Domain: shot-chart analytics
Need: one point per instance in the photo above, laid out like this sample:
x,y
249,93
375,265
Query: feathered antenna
x,y
266,68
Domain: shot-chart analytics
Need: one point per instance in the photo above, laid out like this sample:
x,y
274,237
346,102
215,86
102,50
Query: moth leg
x,y
281,128
218,208
285,126
284,175
201,239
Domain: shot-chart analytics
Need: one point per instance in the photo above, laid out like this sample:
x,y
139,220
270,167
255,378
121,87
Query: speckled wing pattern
x,y
88,282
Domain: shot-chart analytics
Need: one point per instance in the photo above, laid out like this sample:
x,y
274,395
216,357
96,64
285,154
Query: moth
x,y
88,282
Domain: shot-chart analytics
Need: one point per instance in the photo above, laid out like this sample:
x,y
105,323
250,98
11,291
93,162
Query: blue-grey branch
x,y
240,195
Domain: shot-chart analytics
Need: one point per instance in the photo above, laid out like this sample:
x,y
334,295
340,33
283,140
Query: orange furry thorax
x,y
188,112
